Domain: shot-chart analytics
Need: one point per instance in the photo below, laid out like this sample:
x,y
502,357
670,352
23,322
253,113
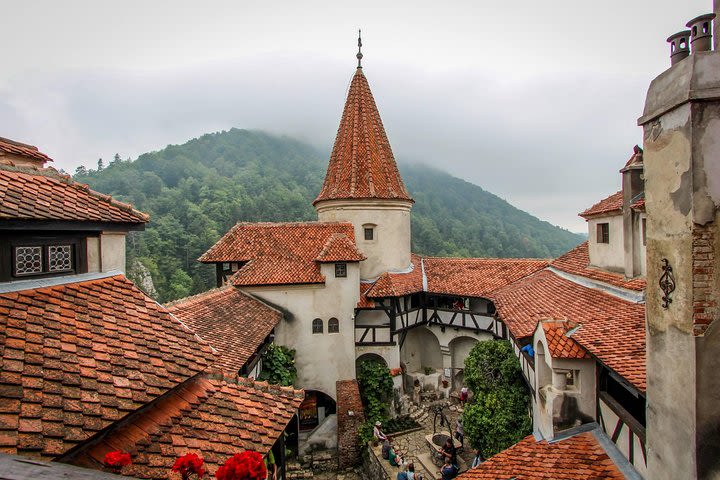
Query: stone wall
x,y
350,417
372,469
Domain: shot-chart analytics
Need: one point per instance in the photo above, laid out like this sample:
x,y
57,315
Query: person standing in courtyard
x,y
460,432
478,459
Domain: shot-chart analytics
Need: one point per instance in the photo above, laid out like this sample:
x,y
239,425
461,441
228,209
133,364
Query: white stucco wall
x,y
390,247
94,261
112,251
321,359
607,255
584,390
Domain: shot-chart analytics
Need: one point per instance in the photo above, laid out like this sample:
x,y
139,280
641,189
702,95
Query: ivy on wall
x,y
278,366
376,389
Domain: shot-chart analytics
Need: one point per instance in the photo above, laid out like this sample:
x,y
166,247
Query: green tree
x,y
278,365
499,416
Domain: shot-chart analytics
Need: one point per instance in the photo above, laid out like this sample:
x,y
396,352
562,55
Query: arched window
x,y
333,325
317,326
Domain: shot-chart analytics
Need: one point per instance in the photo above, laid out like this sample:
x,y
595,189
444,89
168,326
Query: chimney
x,y
701,32
679,46
716,9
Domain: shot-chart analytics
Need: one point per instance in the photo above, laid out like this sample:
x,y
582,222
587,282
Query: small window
x,y
603,233
317,326
42,259
341,270
369,233
644,231
333,325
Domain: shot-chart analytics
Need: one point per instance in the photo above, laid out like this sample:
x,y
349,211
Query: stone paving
x,y
413,446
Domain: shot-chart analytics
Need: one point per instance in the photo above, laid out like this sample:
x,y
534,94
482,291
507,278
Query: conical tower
x,y
363,185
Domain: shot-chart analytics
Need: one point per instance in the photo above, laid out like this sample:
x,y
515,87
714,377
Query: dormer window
x,y
603,233
42,254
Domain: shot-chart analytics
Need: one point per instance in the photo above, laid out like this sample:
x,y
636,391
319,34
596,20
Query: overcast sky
x,y
534,101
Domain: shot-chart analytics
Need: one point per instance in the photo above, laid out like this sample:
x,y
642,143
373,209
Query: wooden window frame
x,y
603,233
333,325
371,231
78,244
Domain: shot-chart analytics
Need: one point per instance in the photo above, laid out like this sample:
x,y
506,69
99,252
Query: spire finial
x,y
359,54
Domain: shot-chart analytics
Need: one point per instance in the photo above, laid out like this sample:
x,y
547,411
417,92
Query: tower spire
x,y
359,54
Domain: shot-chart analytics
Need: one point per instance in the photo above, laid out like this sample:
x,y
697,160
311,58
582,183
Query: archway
x,y
421,351
459,350
315,407
369,357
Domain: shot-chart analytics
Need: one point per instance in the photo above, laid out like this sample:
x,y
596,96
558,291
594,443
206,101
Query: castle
x,y
616,338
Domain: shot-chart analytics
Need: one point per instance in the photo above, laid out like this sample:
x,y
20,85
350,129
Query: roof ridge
x,y
197,296
54,175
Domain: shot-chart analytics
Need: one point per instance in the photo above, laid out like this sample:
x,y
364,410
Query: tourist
x,y
464,396
411,475
378,433
460,432
449,451
478,459
385,451
449,470
394,459
270,466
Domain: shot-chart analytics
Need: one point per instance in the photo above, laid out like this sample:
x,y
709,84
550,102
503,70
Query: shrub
x,y
278,365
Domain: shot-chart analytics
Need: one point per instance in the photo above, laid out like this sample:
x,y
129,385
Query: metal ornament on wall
x,y
667,283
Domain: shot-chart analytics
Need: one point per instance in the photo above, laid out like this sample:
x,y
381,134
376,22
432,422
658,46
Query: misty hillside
x,y
195,192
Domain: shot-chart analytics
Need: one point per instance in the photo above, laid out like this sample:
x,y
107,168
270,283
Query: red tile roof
x,y
610,205
639,204
16,148
27,194
340,248
364,301
476,277
576,458
212,417
399,284
218,315
362,165
79,356
611,329
560,344
577,262
276,253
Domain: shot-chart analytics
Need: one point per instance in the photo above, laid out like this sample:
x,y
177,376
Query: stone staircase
x,y
295,471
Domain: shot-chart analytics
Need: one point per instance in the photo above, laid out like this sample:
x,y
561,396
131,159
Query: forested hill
x,y
195,192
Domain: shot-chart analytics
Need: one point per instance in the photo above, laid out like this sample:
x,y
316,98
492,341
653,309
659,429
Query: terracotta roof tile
x,y
79,356
364,301
476,277
362,165
399,284
27,194
218,315
612,204
340,248
577,262
276,253
22,149
611,329
560,343
212,417
576,458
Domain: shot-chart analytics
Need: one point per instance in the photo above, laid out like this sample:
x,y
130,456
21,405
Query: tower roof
x,y
362,165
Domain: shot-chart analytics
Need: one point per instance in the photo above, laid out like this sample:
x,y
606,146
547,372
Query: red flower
x,y
243,466
117,459
189,464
